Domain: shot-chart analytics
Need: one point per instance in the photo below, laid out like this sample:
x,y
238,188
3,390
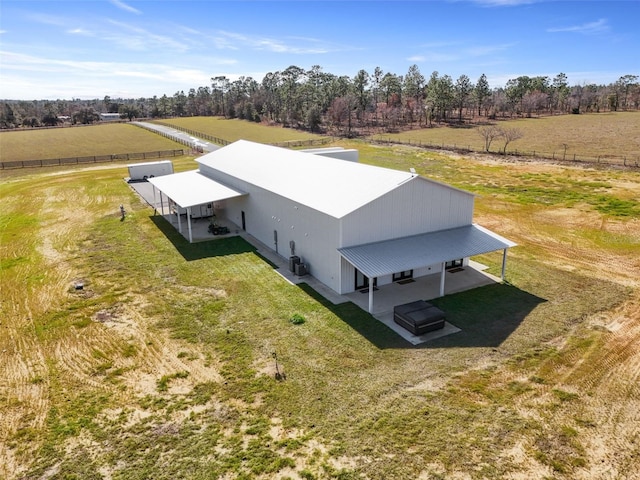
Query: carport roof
x,y
408,253
192,188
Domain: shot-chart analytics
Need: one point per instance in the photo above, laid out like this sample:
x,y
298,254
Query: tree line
x,y
318,101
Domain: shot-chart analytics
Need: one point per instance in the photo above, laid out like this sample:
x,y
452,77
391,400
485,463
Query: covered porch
x,y
473,275
387,257
186,191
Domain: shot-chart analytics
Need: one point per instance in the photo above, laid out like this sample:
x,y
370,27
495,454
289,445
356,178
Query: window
x,y
453,264
403,275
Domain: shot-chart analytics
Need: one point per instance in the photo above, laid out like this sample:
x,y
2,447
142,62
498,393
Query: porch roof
x,y
192,188
408,253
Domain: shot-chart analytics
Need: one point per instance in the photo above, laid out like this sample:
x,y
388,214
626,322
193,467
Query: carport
x,y
435,248
189,189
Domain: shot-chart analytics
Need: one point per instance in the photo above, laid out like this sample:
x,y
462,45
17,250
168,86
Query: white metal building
x,y
351,224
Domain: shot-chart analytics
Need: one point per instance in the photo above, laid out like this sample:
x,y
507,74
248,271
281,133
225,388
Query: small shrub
x,y
307,475
297,319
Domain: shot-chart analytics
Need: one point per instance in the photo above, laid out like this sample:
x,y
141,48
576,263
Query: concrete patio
x,y
423,288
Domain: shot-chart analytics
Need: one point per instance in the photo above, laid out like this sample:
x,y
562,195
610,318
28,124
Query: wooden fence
x,y
52,162
627,161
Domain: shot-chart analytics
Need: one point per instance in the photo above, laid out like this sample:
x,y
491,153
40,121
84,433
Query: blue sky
x,y
63,49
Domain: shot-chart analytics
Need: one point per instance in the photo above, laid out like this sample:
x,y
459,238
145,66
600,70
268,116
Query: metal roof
x,y
329,185
189,189
408,253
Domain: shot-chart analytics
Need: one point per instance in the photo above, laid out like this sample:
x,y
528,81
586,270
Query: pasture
x,y
162,365
232,130
606,135
106,139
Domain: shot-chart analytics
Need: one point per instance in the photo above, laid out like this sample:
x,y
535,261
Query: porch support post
x,y
442,272
504,262
370,294
161,203
189,224
155,199
179,219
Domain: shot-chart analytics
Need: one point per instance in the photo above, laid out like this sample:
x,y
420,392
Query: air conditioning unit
x,y
301,269
293,261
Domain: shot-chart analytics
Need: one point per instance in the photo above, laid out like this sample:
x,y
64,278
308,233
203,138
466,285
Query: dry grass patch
x,y
592,135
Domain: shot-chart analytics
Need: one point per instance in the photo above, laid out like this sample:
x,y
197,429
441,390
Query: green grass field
x,y
587,135
162,366
80,142
232,130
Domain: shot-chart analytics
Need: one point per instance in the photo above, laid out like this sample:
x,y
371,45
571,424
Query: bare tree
x,y
509,135
489,133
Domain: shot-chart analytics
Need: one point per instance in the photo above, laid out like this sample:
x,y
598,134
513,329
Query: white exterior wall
x,y
315,234
137,171
417,206
347,277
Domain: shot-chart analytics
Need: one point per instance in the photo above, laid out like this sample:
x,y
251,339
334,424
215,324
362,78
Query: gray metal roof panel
x,y
408,253
191,188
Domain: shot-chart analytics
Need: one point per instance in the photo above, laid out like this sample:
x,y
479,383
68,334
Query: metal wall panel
x,y
417,206
314,233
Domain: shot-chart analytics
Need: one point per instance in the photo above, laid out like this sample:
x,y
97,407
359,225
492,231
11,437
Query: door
x,y
362,281
244,224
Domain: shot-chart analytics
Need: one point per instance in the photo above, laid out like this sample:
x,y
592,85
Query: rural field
x,y
232,130
162,366
80,142
605,135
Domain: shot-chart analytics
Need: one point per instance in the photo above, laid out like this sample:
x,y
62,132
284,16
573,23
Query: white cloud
x,y
139,39
123,6
295,45
482,50
599,26
91,79
46,19
81,31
